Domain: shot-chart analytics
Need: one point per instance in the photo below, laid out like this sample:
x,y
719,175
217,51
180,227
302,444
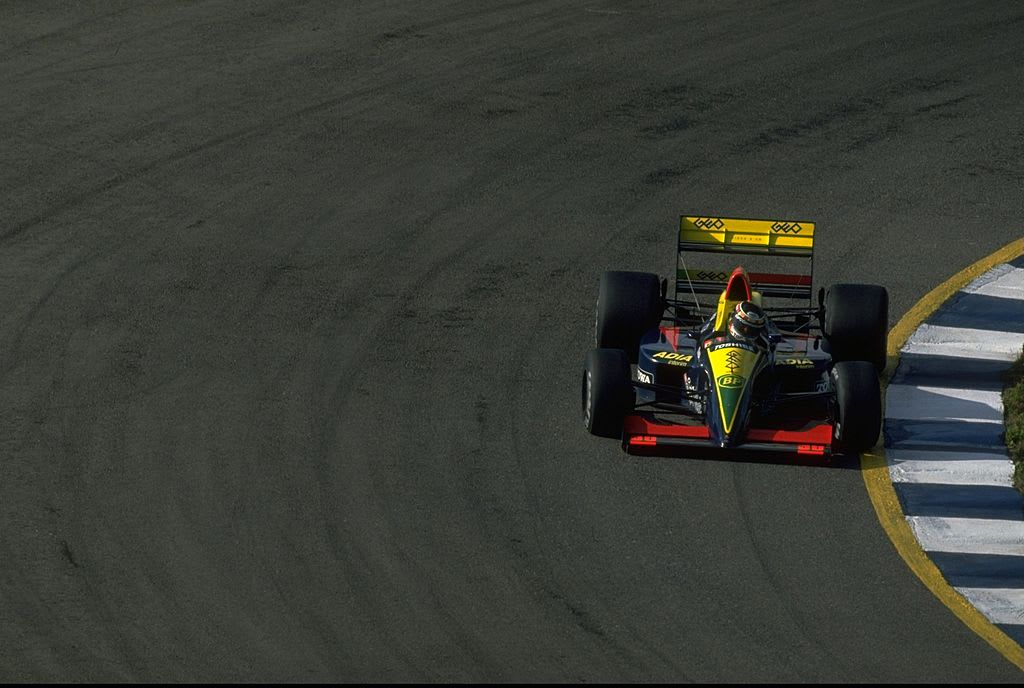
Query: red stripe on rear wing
x,y
771,285
758,278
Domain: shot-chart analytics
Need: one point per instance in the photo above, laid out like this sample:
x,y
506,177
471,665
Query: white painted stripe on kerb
x,y
1004,281
968,535
964,342
1000,605
946,469
913,402
949,467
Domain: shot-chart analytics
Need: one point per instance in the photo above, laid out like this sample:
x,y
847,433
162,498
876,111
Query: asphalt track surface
x,y
294,299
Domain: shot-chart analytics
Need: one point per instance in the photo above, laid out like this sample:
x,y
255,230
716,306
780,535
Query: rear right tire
x,y
856,323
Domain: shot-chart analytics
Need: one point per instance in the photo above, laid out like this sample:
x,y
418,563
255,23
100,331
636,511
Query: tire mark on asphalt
x,y
517,382
140,36
764,559
349,375
60,33
259,129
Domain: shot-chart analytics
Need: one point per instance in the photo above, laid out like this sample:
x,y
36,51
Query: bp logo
x,y
730,381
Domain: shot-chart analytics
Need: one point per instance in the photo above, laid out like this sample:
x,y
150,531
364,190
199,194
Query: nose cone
x,y
719,437
729,440
733,364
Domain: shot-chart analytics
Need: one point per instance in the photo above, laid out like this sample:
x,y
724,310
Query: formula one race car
x,y
738,372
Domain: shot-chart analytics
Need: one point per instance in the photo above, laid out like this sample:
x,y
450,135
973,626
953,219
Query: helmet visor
x,y
745,330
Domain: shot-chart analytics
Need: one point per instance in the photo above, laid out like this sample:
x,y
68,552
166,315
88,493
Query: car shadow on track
x,y
849,461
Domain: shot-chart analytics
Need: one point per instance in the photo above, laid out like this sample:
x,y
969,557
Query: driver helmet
x,y
747,321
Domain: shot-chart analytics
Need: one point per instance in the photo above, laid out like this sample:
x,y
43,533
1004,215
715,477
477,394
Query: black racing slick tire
x,y
856,323
858,406
607,392
628,305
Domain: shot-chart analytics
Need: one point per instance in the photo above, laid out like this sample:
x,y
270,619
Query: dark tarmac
x,y
294,298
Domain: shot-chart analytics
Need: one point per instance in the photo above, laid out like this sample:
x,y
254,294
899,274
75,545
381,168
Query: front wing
x,y
643,432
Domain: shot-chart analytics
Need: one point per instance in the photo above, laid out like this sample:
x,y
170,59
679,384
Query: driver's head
x,y
747,321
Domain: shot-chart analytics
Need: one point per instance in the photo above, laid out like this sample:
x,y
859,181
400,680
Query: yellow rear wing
x,y
734,235
729,235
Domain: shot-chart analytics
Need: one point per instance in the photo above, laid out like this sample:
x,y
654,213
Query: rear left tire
x,y
629,304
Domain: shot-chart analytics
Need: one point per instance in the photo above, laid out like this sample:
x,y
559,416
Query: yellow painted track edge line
x,y
875,467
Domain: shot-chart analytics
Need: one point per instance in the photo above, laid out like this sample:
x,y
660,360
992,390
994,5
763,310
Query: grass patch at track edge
x,y
1013,419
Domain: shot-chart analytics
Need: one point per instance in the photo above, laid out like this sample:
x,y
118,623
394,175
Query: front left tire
x,y
607,391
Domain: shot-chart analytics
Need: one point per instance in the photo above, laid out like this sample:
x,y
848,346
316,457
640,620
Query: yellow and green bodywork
x,y
732,366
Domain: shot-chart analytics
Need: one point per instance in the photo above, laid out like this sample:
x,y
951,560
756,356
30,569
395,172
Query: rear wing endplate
x,y
725,235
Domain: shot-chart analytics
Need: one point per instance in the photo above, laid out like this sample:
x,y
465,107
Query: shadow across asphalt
x,y
841,460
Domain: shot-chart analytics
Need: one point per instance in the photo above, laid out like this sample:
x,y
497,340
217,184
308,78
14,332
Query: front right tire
x,y
607,390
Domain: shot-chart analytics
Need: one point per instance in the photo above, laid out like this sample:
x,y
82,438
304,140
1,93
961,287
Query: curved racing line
x,y
875,468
